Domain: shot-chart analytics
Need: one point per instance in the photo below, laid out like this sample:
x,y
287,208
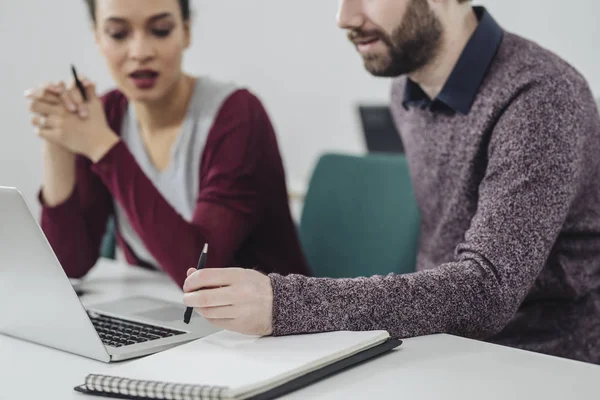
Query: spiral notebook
x,y
227,365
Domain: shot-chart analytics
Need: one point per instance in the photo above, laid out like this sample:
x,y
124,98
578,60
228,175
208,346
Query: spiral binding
x,y
151,389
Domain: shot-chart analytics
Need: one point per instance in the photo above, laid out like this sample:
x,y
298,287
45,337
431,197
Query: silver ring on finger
x,y
43,122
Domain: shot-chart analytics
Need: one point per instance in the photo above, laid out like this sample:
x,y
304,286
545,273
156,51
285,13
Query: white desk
x,y
433,367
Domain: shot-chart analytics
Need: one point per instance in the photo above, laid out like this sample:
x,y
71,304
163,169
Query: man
x,y
502,139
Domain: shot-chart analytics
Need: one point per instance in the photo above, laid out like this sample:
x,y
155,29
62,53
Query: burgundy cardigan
x,y
242,209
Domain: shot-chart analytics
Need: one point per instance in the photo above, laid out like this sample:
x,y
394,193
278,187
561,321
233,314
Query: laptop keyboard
x,y
118,332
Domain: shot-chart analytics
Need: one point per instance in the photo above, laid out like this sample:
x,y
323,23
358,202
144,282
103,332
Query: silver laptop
x,y
39,304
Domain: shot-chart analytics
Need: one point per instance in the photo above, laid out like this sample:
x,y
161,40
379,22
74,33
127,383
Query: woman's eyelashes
x,y
120,35
117,34
161,32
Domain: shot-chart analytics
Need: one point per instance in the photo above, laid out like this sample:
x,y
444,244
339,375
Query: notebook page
x,y
238,361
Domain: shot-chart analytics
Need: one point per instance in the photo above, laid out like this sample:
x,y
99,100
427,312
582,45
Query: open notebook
x,y
228,365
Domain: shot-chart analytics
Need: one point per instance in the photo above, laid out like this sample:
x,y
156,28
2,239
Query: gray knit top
x,y
509,196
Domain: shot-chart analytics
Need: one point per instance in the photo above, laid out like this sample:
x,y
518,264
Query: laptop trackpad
x,y
143,307
164,314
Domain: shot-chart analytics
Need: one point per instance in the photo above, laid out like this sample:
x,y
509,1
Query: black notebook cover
x,y
297,383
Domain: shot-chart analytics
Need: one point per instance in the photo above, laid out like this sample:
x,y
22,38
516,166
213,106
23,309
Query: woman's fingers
x,y
73,97
54,94
45,108
89,87
41,122
46,133
49,93
36,120
66,98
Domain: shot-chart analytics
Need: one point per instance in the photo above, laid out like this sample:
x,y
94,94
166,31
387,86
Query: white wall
x,y
285,51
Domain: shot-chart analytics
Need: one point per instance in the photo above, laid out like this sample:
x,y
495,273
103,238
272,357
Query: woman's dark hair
x,y
184,5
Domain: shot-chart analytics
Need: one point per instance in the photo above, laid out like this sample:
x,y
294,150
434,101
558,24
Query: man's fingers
x,y
209,298
212,277
190,271
214,313
231,324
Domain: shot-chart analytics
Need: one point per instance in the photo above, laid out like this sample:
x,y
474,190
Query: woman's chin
x,y
144,95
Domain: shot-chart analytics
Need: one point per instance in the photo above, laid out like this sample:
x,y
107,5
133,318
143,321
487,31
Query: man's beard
x,y
411,46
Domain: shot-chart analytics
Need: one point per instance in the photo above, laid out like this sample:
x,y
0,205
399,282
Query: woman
x,y
179,161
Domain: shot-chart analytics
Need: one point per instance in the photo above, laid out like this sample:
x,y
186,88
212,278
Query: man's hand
x,y
235,299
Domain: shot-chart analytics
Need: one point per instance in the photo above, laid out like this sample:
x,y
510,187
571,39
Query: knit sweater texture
x,y
509,196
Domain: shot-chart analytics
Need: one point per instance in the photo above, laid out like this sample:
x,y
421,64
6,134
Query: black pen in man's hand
x,y
201,263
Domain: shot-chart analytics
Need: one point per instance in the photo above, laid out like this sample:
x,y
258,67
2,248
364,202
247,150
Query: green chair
x,y
360,217
108,245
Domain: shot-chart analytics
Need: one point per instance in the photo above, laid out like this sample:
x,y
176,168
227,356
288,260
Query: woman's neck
x,y
169,111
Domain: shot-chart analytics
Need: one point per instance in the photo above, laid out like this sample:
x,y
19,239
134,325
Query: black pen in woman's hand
x,y
78,83
201,263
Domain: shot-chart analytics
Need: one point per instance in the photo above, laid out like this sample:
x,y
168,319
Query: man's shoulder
x,y
522,64
519,64
397,89
531,88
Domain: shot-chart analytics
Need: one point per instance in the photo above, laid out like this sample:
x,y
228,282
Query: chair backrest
x,y
360,217
379,129
108,247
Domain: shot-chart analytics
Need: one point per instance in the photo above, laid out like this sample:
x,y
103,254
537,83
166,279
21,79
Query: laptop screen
x,y
379,130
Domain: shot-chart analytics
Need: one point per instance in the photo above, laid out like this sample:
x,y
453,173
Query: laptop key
x,y
117,332
149,336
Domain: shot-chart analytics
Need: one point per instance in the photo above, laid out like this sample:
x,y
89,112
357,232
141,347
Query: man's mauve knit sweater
x,y
509,196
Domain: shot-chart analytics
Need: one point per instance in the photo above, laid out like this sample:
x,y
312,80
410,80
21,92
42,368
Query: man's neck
x,y
432,77
169,111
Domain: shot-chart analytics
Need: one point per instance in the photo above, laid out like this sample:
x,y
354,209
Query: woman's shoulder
x,y
113,98
236,111
115,107
227,97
